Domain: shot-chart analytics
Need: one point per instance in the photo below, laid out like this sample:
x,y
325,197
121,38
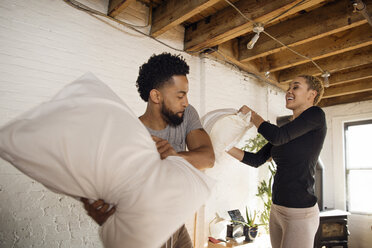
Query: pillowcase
x,y
86,142
225,127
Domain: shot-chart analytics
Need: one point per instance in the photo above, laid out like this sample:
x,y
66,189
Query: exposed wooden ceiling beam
x,y
228,24
348,88
117,6
173,12
329,19
228,52
328,46
358,97
354,58
352,74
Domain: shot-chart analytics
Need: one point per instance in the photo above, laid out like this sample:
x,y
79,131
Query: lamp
x,y
218,227
258,28
325,77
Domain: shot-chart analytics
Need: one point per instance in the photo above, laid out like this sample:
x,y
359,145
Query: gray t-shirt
x,y
176,135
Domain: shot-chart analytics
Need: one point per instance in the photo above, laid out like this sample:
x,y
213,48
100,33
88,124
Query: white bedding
x,y
86,142
226,128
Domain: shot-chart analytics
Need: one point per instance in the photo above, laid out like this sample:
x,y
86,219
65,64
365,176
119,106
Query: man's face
x,y
174,101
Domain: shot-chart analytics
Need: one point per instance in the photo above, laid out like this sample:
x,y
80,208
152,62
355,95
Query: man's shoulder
x,y
191,114
190,109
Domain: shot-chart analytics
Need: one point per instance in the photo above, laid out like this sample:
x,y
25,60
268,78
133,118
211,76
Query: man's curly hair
x,y
157,71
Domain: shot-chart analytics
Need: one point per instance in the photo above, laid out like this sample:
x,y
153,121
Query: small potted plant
x,y
250,230
250,227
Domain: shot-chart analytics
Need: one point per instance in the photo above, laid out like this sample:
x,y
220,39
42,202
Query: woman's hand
x,y
256,119
244,110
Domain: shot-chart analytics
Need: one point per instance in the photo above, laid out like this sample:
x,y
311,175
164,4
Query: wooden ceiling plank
x,y
228,23
329,19
325,47
174,12
348,88
354,58
364,96
117,6
228,52
352,74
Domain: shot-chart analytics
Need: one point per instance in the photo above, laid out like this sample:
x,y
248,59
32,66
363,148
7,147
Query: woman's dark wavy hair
x,y
157,71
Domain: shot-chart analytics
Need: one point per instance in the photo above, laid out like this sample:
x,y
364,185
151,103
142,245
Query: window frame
x,y
346,125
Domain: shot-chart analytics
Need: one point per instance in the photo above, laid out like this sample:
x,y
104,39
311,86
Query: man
x,y
173,124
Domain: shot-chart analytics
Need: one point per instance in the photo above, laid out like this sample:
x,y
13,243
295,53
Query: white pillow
x,y
86,142
225,127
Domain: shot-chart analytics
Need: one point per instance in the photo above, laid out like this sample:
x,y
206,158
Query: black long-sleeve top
x,y
295,148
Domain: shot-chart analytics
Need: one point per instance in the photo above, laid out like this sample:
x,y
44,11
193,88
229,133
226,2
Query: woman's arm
x,y
236,153
252,159
311,119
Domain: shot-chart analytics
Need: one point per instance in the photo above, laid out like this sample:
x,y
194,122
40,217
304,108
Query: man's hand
x,y
98,210
164,148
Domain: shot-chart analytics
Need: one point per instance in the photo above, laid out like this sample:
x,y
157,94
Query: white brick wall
x,y
45,44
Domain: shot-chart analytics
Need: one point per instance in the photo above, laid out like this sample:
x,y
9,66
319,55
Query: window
x,y
358,151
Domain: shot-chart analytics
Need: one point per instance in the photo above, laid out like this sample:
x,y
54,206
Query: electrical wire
x,y
85,8
275,39
295,52
90,11
285,11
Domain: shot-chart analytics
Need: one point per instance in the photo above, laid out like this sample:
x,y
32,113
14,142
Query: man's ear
x,y
155,96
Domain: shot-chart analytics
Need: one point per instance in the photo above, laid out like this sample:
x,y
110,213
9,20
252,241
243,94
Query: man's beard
x,y
171,118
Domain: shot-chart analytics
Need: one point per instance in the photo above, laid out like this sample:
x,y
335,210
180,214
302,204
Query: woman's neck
x,y
299,110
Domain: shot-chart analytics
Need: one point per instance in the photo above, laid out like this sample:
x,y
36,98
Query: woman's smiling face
x,y
299,94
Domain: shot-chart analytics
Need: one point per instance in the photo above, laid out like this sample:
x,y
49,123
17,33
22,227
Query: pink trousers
x,y
293,227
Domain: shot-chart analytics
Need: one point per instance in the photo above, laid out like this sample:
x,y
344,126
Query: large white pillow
x,y
86,142
225,127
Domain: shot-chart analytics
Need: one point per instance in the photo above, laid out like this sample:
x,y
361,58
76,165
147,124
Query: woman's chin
x,y
289,105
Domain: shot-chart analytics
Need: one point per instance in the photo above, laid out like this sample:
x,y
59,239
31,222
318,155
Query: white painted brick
x,y
44,45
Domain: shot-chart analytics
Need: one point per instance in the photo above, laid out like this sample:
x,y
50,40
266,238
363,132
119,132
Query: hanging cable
x,y
90,11
285,11
325,74
85,8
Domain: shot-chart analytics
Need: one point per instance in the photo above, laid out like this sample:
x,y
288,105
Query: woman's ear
x,y
313,94
155,96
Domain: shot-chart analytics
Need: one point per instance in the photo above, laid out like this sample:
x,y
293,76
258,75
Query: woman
x,y
295,148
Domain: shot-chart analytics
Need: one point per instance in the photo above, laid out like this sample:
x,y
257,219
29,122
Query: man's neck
x,y
153,119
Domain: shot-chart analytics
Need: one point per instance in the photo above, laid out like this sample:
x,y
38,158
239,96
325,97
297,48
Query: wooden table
x,y
262,241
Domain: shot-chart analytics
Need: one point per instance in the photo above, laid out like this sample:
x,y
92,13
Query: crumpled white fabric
x,y
86,142
226,127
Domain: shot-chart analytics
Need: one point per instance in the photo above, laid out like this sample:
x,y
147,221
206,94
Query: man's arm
x,y
200,150
200,154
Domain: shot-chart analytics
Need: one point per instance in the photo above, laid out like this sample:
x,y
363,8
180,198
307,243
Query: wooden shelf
x,y
262,241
